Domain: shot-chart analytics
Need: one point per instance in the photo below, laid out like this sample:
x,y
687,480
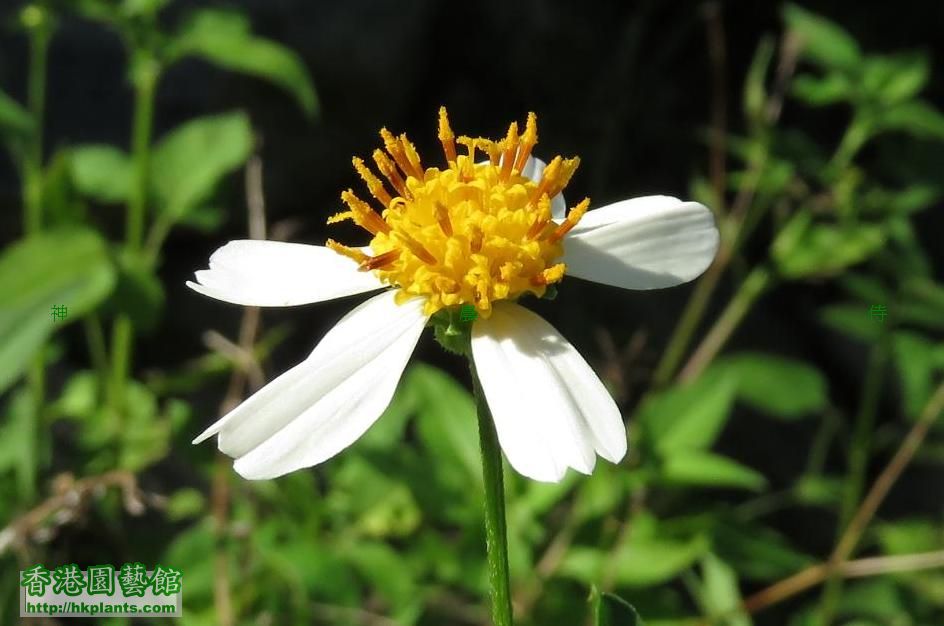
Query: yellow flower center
x,y
471,233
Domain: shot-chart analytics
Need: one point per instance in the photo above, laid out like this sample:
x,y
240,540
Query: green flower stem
x,y
36,21
496,540
145,77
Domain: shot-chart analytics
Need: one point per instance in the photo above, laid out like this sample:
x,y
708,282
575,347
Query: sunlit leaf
x,y
780,387
68,267
224,38
190,161
101,172
705,469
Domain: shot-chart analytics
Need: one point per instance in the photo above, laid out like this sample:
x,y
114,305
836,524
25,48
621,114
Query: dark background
x,y
627,86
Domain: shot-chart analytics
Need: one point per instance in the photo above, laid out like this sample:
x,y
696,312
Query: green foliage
x,y
68,267
392,528
611,610
189,162
225,38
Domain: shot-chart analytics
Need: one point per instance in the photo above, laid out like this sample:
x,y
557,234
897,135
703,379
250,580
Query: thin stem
x,y
750,290
36,103
815,574
496,540
145,82
858,461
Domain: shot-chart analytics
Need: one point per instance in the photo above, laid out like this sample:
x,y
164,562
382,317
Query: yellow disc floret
x,y
471,233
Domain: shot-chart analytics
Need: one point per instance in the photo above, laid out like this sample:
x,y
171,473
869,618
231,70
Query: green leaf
x,y
646,558
446,420
756,552
892,79
190,161
68,267
853,320
822,41
101,172
806,249
185,503
914,360
611,610
690,417
18,442
821,91
917,118
910,536
755,93
16,124
224,38
62,206
138,292
705,469
719,594
780,387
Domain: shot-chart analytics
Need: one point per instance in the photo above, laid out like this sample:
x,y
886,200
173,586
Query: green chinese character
x,y
133,579
101,580
35,579
69,580
166,581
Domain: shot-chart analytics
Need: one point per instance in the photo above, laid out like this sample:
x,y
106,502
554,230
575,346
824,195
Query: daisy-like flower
x,y
476,232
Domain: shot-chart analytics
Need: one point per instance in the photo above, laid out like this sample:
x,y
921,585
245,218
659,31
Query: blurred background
x,y
783,411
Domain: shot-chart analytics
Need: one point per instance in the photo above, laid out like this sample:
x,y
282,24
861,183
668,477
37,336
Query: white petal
x,y
323,404
275,273
642,243
551,411
534,169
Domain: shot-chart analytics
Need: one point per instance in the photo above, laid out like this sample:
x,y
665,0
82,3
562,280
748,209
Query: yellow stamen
x,y
551,275
394,149
528,141
470,233
442,217
572,218
509,148
363,215
446,137
374,186
390,172
415,247
380,261
351,253
548,179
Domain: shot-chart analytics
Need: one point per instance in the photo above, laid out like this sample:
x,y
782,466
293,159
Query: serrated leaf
x,y
189,162
780,387
68,267
101,172
224,38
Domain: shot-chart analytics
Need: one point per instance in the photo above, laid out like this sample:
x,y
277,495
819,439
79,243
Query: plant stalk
x,y
496,540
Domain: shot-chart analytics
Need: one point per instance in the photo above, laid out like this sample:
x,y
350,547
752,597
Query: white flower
x,y
479,233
